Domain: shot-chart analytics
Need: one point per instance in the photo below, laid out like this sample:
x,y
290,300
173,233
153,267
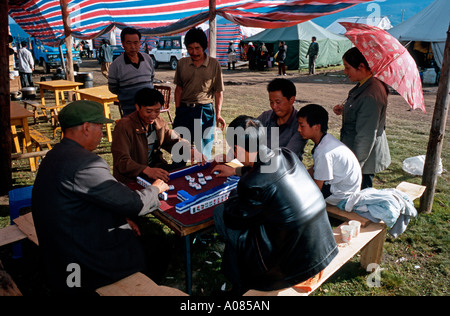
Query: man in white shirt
x,y
336,169
26,66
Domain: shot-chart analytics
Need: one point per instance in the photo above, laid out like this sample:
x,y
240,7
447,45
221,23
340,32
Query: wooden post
x,y
212,28
437,132
5,121
68,41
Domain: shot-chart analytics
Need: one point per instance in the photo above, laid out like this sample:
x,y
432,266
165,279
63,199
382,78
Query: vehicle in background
x,y
49,57
169,50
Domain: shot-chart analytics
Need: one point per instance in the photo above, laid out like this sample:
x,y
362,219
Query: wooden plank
x,y
414,191
346,252
138,284
11,234
7,285
335,212
26,224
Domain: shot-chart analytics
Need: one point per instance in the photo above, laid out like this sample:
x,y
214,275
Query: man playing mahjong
x,y
138,140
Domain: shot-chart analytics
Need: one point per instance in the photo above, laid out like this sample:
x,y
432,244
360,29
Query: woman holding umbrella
x,y
364,117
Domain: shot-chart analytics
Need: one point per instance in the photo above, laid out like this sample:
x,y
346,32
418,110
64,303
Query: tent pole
x,y
437,132
5,121
212,28
68,41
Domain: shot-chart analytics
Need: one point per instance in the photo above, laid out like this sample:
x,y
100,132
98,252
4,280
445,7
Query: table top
x,y
100,92
59,83
17,111
186,223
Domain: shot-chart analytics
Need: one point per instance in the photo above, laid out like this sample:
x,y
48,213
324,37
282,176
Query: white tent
x,y
381,22
429,25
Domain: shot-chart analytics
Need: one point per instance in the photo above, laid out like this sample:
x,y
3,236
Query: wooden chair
x,y
165,90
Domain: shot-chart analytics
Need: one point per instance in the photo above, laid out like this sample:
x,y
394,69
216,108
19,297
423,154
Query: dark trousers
x,y
367,181
26,79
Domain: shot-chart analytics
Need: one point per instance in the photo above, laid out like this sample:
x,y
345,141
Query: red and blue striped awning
x,y
92,18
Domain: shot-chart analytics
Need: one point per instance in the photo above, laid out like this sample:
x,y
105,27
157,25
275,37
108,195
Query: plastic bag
x,y
414,165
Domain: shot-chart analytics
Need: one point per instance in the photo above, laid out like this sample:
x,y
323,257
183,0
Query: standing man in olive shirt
x,y
199,83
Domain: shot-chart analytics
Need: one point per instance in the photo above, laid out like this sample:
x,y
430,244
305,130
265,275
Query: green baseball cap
x,y
79,112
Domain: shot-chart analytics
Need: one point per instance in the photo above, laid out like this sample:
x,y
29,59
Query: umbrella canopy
x,y
389,61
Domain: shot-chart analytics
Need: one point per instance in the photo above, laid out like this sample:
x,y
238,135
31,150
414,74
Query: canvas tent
x,y
298,39
382,22
429,25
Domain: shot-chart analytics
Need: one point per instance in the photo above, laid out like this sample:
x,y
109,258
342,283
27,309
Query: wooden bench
x,y
7,286
138,284
369,242
37,108
39,141
23,228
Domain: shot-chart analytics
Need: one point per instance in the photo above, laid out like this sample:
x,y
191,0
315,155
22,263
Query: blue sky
x,y
390,8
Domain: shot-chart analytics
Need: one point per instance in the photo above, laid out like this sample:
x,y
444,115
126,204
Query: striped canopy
x,y
92,18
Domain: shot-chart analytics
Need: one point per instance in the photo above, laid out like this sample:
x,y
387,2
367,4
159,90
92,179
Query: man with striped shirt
x,y
131,71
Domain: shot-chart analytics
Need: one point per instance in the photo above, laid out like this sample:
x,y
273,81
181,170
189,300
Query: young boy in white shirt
x,y
336,169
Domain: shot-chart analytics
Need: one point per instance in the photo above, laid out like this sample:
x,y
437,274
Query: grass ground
x,y
416,263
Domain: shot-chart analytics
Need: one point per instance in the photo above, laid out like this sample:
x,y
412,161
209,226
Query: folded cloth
x,y
391,206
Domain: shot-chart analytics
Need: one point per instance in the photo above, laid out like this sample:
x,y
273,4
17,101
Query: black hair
x,y
148,97
196,35
246,132
24,44
315,114
286,87
355,58
129,31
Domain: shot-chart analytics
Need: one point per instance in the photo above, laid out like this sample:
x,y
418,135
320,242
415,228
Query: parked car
x,y
169,50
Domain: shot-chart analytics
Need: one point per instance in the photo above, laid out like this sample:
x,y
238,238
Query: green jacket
x,y
363,124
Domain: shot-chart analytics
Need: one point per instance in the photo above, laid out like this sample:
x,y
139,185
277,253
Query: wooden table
x,y
58,87
19,116
102,95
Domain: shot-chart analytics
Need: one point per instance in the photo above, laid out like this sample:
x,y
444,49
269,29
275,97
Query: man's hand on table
x,y
157,173
161,185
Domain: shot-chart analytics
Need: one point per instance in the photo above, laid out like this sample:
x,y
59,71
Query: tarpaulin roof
x,y
91,18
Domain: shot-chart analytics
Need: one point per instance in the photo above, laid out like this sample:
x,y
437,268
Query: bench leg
x,y
373,251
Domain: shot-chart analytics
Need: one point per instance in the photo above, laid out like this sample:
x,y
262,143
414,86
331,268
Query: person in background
x,y
131,71
281,57
275,225
313,52
231,56
106,57
80,211
199,84
364,117
251,56
26,66
138,140
280,122
336,170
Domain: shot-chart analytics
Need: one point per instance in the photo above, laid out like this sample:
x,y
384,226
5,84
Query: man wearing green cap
x,y
80,211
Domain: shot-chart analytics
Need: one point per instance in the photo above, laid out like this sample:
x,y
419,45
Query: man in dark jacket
x,y
275,227
80,211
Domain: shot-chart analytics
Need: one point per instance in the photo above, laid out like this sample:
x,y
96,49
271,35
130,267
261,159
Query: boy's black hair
x,y
315,114
286,87
196,35
128,31
148,97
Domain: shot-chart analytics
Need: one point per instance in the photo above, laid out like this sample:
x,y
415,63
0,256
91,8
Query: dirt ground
x,y
245,93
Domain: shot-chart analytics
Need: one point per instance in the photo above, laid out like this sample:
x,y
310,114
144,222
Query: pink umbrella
x,y
389,61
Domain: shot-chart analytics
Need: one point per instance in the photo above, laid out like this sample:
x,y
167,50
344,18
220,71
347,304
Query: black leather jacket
x,y
286,236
